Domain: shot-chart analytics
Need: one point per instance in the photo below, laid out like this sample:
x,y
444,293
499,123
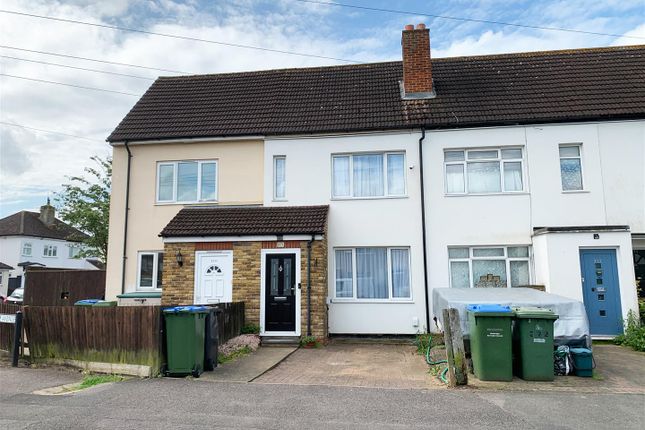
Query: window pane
x,y
455,178
344,275
146,270
371,273
518,251
159,269
458,253
519,273
571,173
340,176
209,178
478,155
569,151
488,252
400,273
368,175
395,174
279,172
484,177
513,176
489,273
453,156
511,153
166,179
187,181
459,274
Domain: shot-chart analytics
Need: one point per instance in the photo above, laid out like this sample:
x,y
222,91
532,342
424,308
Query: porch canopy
x,y
247,221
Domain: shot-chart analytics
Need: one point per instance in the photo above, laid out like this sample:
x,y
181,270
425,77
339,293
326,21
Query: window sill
x,y
148,290
368,198
372,301
518,193
280,200
50,256
576,192
210,202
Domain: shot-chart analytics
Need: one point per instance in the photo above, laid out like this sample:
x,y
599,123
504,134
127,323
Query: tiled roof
x,y
245,221
25,223
552,86
5,266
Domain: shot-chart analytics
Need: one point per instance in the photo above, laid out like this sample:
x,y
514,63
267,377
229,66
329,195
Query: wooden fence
x,y
230,321
7,330
63,287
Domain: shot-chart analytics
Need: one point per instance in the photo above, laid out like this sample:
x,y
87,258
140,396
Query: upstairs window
x,y
74,251
187,181
26,249
571,167
50,251
368,175
279,177
150,274
483,171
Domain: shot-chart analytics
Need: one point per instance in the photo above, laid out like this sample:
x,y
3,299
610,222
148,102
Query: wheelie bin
x,y
491,341
533,343
185,336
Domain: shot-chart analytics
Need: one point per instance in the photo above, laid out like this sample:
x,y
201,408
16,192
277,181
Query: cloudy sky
x,y
34,162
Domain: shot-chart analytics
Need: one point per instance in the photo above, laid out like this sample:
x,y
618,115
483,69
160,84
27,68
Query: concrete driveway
x,y
354,365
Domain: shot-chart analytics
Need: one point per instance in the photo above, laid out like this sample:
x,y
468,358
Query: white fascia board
x,y
189,140
265,238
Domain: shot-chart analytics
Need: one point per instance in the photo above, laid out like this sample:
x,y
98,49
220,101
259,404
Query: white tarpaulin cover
x,y
570,327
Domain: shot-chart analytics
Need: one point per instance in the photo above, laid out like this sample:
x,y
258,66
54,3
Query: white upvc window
x,y
571,167
484,171
26,249
375,273
74,251
191,181
489,266
150,270
50,251
279,177
368,175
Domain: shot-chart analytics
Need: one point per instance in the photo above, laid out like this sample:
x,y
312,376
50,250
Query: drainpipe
x,y
423,227
309,285
125,227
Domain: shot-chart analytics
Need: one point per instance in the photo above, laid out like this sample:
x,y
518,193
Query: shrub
x,y
422,341
309,341
634,335
251,329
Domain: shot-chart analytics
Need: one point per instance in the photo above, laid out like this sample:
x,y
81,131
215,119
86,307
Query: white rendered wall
x,y
356,223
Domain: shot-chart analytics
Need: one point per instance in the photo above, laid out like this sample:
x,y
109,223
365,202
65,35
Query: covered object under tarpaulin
x,y
571,327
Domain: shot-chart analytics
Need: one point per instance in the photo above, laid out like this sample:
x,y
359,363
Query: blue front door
x,y
601,291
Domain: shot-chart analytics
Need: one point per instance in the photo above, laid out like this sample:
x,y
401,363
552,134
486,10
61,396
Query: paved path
x,y
189,404
246,369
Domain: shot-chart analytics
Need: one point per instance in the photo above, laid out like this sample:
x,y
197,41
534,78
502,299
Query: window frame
x,y
155,270
504,258
275,178
579,157
71,249
31,249
390,299
50,247
499,159
386,193
175,165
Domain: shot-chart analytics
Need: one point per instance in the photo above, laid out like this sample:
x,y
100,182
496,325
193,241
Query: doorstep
x,y
249,367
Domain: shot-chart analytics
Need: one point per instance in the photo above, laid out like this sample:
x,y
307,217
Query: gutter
x,y
125,226
423,229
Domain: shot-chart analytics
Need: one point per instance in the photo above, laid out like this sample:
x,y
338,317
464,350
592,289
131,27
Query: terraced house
x,y
332,200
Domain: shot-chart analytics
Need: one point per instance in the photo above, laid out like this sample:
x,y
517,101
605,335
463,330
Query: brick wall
x,y
417,67
179,282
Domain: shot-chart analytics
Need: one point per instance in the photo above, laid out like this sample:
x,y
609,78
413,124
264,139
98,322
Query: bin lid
x,y
186,309
490,310
87,302
535,312
140,295
580,351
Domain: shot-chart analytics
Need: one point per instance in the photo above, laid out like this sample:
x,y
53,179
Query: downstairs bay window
x,y
373,273
150,270
489,267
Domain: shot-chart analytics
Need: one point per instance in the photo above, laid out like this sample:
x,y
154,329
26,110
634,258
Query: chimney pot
x,y
421,26
409,27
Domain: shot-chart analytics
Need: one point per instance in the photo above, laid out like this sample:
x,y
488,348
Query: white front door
x,y
213,277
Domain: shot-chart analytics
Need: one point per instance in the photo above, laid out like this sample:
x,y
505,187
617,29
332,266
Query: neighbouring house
x,y
40,240
334,199
4,279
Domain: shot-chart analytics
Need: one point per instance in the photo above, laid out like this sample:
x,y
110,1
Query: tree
x,y
85,204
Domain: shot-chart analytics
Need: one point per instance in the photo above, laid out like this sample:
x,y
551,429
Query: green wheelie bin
x,y
185,331
491,344
533,343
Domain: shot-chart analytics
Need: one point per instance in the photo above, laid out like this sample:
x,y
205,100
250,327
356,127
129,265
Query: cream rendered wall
x,y
358,222
239,176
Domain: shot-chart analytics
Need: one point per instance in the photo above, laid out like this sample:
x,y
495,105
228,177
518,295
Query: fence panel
x,y
63,287
230,321
7,330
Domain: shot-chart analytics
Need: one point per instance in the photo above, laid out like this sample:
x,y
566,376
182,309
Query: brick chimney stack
x,y
47,214
417,67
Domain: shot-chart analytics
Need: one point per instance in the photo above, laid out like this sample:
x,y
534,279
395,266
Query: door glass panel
x,y
603,313
274,276
287,277
489,273
601,297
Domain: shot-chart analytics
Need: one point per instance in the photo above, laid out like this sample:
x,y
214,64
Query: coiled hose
x,y
431,362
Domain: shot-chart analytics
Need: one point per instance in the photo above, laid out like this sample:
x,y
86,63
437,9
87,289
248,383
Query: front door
x,y
601,291
280,293
213,277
